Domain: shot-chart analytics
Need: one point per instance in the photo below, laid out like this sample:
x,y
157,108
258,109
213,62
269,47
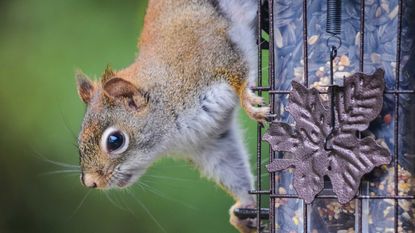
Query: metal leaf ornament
x,y
316,149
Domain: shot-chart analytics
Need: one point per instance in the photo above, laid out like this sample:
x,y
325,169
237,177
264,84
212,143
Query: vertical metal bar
x,y
259,127
305,217
259,186
359,210
305,59
362,35
271,81
359,214
305,44
396,115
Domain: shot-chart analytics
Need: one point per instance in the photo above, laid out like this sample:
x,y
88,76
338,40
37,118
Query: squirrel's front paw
x,y
249,100
247,225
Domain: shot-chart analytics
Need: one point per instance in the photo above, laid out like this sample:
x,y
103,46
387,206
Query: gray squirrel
x,y
197,60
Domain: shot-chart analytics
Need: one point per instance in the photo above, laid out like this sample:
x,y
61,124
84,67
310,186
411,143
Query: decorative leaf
x,y
361,101
349,158
309,175
311,117
282,164
282,137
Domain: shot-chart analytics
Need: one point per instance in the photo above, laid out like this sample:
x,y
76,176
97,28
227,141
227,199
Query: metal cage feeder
x,y
292,46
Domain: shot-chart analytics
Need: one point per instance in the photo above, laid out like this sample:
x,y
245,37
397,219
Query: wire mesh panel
x,y
375,34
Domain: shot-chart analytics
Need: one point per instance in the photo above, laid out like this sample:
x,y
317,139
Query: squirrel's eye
x,y
114,141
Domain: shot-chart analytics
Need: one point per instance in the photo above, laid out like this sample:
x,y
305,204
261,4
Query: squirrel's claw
x,y
249,102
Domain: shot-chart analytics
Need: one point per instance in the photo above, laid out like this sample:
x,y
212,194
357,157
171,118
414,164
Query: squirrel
x,y
197,60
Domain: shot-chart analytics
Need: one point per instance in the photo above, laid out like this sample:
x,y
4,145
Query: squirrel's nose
x,y
88,180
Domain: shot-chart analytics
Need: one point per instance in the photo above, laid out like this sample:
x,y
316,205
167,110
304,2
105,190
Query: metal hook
x,y
334,41
333,53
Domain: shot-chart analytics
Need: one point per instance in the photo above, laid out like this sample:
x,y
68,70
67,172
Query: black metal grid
x,y
266,23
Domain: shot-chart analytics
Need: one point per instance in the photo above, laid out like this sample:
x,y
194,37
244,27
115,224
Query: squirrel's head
x,y
117,141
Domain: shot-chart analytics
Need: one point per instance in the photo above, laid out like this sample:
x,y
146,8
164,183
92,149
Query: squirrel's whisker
x,y
61,164
148,212
170,178
163,195
66,123
59,172
80,203
114,203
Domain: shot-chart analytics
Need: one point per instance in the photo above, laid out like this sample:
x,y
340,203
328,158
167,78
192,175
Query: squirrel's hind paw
x,y
249,100
247,225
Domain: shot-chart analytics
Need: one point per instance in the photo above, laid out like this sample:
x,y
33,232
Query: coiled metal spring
x,y
334,16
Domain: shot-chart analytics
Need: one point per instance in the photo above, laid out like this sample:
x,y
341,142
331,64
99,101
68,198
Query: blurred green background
x,y
42,42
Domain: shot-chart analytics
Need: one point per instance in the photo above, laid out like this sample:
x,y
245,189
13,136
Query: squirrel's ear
x,y
121,88
85,86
